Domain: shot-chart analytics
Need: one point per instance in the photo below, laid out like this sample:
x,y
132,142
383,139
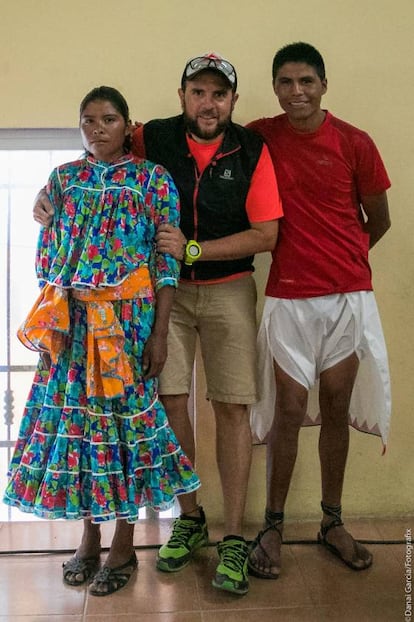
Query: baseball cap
x,y
210,60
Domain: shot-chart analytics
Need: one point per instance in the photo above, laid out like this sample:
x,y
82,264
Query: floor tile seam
x,y
85,603
119,614
305,542
357,599
154,612
255,608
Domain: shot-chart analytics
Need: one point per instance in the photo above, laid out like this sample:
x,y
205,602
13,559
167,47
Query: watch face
x,y
193,250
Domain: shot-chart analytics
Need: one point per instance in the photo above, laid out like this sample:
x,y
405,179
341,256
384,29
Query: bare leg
x,y
85,561
234,450
178,418
121,557
335,392
282,447
122,545
336,386
90,545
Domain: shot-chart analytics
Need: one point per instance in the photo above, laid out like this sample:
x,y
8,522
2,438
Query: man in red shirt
x,y
320,323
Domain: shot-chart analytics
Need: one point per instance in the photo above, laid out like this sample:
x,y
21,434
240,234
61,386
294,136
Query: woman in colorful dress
x,y
94,441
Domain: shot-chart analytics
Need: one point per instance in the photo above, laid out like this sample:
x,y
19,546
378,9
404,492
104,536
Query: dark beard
x,y
193,128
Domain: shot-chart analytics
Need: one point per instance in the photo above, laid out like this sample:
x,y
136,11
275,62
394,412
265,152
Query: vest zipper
x,y
212,163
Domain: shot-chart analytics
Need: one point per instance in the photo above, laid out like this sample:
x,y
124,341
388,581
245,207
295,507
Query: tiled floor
x,y
313,587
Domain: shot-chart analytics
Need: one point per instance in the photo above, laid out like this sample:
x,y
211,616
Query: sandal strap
x,y
273,522
115,578
78,564
112,575
274,518
335,511
85,567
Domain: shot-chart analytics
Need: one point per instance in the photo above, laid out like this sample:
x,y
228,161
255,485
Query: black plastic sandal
x,y
76,566
336,514
113,578
273,521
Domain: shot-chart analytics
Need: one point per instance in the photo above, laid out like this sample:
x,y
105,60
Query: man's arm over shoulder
x,y
378,220
43,211
138,143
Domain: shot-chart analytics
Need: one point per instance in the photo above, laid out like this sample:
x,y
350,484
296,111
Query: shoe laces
x,y
233,555
182,530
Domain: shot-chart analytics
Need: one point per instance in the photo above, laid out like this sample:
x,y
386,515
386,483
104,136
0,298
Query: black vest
x,y
213,205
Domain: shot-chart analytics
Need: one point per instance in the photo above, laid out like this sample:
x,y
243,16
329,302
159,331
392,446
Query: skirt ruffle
x,y
94,458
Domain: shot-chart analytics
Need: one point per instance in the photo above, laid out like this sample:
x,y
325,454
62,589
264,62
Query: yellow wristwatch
x,y
192,252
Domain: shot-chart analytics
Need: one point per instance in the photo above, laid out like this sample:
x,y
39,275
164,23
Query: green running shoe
x,y
231,573
189,534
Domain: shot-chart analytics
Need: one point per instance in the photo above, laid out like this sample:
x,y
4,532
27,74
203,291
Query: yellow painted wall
x,y
53,51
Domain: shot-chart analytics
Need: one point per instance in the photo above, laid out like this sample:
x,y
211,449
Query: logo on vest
x,y
227,174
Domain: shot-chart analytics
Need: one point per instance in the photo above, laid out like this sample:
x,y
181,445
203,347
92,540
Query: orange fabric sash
x,y
47,326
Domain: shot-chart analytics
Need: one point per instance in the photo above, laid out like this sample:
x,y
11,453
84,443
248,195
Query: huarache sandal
x,y
361,558
274,522
109,580
77,571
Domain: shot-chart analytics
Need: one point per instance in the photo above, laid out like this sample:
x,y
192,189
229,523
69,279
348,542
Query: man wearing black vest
x,y
230,208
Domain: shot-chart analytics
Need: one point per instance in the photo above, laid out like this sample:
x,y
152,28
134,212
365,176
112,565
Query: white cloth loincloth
x,y
307,336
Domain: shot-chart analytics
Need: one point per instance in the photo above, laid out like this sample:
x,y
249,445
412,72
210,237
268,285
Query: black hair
x,y
299,53
108,93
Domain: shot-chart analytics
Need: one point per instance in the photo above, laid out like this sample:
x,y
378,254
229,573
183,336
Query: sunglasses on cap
x,y
211,61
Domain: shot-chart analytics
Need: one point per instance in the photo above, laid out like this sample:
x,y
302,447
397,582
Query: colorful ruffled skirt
x,y
79,456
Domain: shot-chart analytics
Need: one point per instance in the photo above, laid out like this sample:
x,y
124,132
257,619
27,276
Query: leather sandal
x,y
336,513
273,522
113,578
78,566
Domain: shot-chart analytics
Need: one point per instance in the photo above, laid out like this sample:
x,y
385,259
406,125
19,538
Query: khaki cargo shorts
x,y
223,317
